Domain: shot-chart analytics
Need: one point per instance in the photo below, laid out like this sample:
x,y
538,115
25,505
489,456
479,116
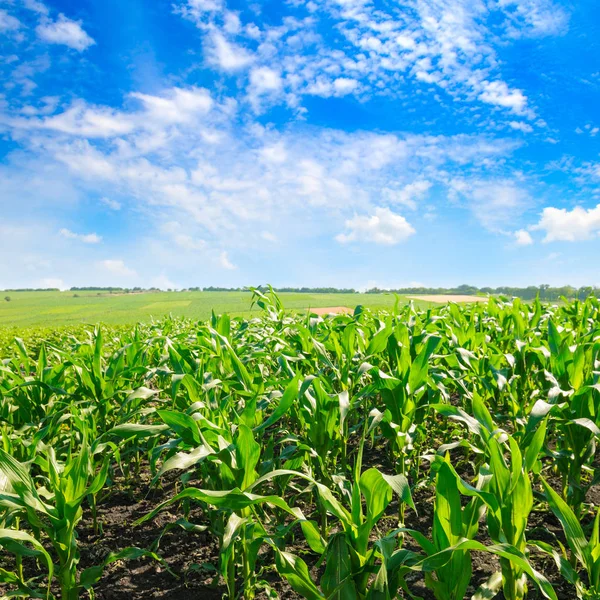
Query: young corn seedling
x,y
350,555
585,552
54,511
452,524
508,492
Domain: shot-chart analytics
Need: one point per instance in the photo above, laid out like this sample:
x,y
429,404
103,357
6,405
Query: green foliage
x,y
307,445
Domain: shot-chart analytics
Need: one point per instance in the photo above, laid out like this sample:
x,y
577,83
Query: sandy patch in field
x,y
444,298
328,310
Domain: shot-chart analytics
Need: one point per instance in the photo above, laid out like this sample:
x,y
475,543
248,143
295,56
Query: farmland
x,y
399,451
52,309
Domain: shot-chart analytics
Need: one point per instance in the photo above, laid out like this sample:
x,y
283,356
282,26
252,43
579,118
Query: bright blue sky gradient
x,y
323,142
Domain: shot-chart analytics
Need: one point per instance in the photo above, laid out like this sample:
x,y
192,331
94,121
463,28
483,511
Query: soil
x,y
193,558
331,310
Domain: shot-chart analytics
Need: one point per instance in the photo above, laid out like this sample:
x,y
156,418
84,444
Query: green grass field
x,y
53,309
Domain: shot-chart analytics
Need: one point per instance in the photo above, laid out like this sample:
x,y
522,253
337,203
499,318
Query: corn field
x,y
447,454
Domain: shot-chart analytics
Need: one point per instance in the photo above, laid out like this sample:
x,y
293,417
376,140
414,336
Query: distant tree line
x,y
31,290
299,290
545,292
111,289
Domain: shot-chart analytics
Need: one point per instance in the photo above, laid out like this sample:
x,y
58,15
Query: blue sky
x,y
321,142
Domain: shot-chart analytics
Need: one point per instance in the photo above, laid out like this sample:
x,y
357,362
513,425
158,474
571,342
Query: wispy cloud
x,y
86,238
449,45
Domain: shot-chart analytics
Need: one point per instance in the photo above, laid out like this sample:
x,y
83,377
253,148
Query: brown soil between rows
x,y
193,558
332,310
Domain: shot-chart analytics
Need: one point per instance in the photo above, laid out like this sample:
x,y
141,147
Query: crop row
x,y
298,444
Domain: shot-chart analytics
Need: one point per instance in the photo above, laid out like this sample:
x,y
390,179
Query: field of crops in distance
x,y
53,309
443,454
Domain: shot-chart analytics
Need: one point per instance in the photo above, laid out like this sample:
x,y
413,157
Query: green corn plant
x,y
54,511
56,517
585,552
452,524
508,492
236,522
243,533
350,555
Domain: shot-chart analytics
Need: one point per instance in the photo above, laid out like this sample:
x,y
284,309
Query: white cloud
x,y
377,47
177,105
51,282
110,203
117,267
523,238
521,126
173,106
88,121
224,261
344,85
298,182
499,94
65,31
196,9
383,227
227,55
187,242
86,238
326,88
573,225
8,22
534,17
409,195
163,282
495,203
275,153
264,79
36,6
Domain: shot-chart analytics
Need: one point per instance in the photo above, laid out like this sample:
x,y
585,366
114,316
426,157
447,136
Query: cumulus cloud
x,y
64,31
227,55
224,261
117,267
264,79
187,157
383,227
86,238
523,238
499,94
520,126
574,225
